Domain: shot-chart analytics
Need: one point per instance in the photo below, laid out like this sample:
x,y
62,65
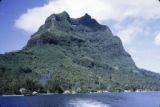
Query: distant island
x,y
68,55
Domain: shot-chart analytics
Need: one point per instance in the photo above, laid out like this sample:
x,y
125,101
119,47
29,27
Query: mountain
x,y
73,54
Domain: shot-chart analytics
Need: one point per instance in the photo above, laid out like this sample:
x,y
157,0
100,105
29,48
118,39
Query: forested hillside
x,y
73,54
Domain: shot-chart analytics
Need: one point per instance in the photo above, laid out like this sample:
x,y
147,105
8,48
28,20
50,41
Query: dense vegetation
x,y
73,54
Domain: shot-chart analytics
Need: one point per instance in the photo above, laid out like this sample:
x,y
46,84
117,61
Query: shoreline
x,y
49,94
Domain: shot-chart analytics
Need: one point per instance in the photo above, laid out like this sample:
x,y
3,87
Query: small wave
x,y
86,103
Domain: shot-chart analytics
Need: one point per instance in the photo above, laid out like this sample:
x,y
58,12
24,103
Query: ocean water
x,y
142,99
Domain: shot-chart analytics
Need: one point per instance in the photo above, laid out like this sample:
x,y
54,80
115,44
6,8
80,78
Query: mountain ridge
x,y
73,54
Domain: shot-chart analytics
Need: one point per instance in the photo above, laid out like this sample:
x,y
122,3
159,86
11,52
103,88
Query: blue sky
x,y
136,23
11,37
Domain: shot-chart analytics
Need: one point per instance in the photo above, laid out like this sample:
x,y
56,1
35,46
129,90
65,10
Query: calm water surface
x,y
149,99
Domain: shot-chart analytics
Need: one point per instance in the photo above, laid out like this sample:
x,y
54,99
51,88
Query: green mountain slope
x,y
73,54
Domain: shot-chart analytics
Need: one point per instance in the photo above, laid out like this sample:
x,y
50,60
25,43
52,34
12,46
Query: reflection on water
x,y
86,103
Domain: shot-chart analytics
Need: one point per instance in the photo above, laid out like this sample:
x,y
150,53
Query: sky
x,y
136,23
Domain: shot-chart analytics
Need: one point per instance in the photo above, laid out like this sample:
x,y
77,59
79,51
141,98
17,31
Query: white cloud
x,y
146,57
99,9
128,34
33,18
157,40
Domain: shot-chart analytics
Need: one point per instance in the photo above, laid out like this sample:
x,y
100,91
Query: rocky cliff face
x,y
85,34
73,54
